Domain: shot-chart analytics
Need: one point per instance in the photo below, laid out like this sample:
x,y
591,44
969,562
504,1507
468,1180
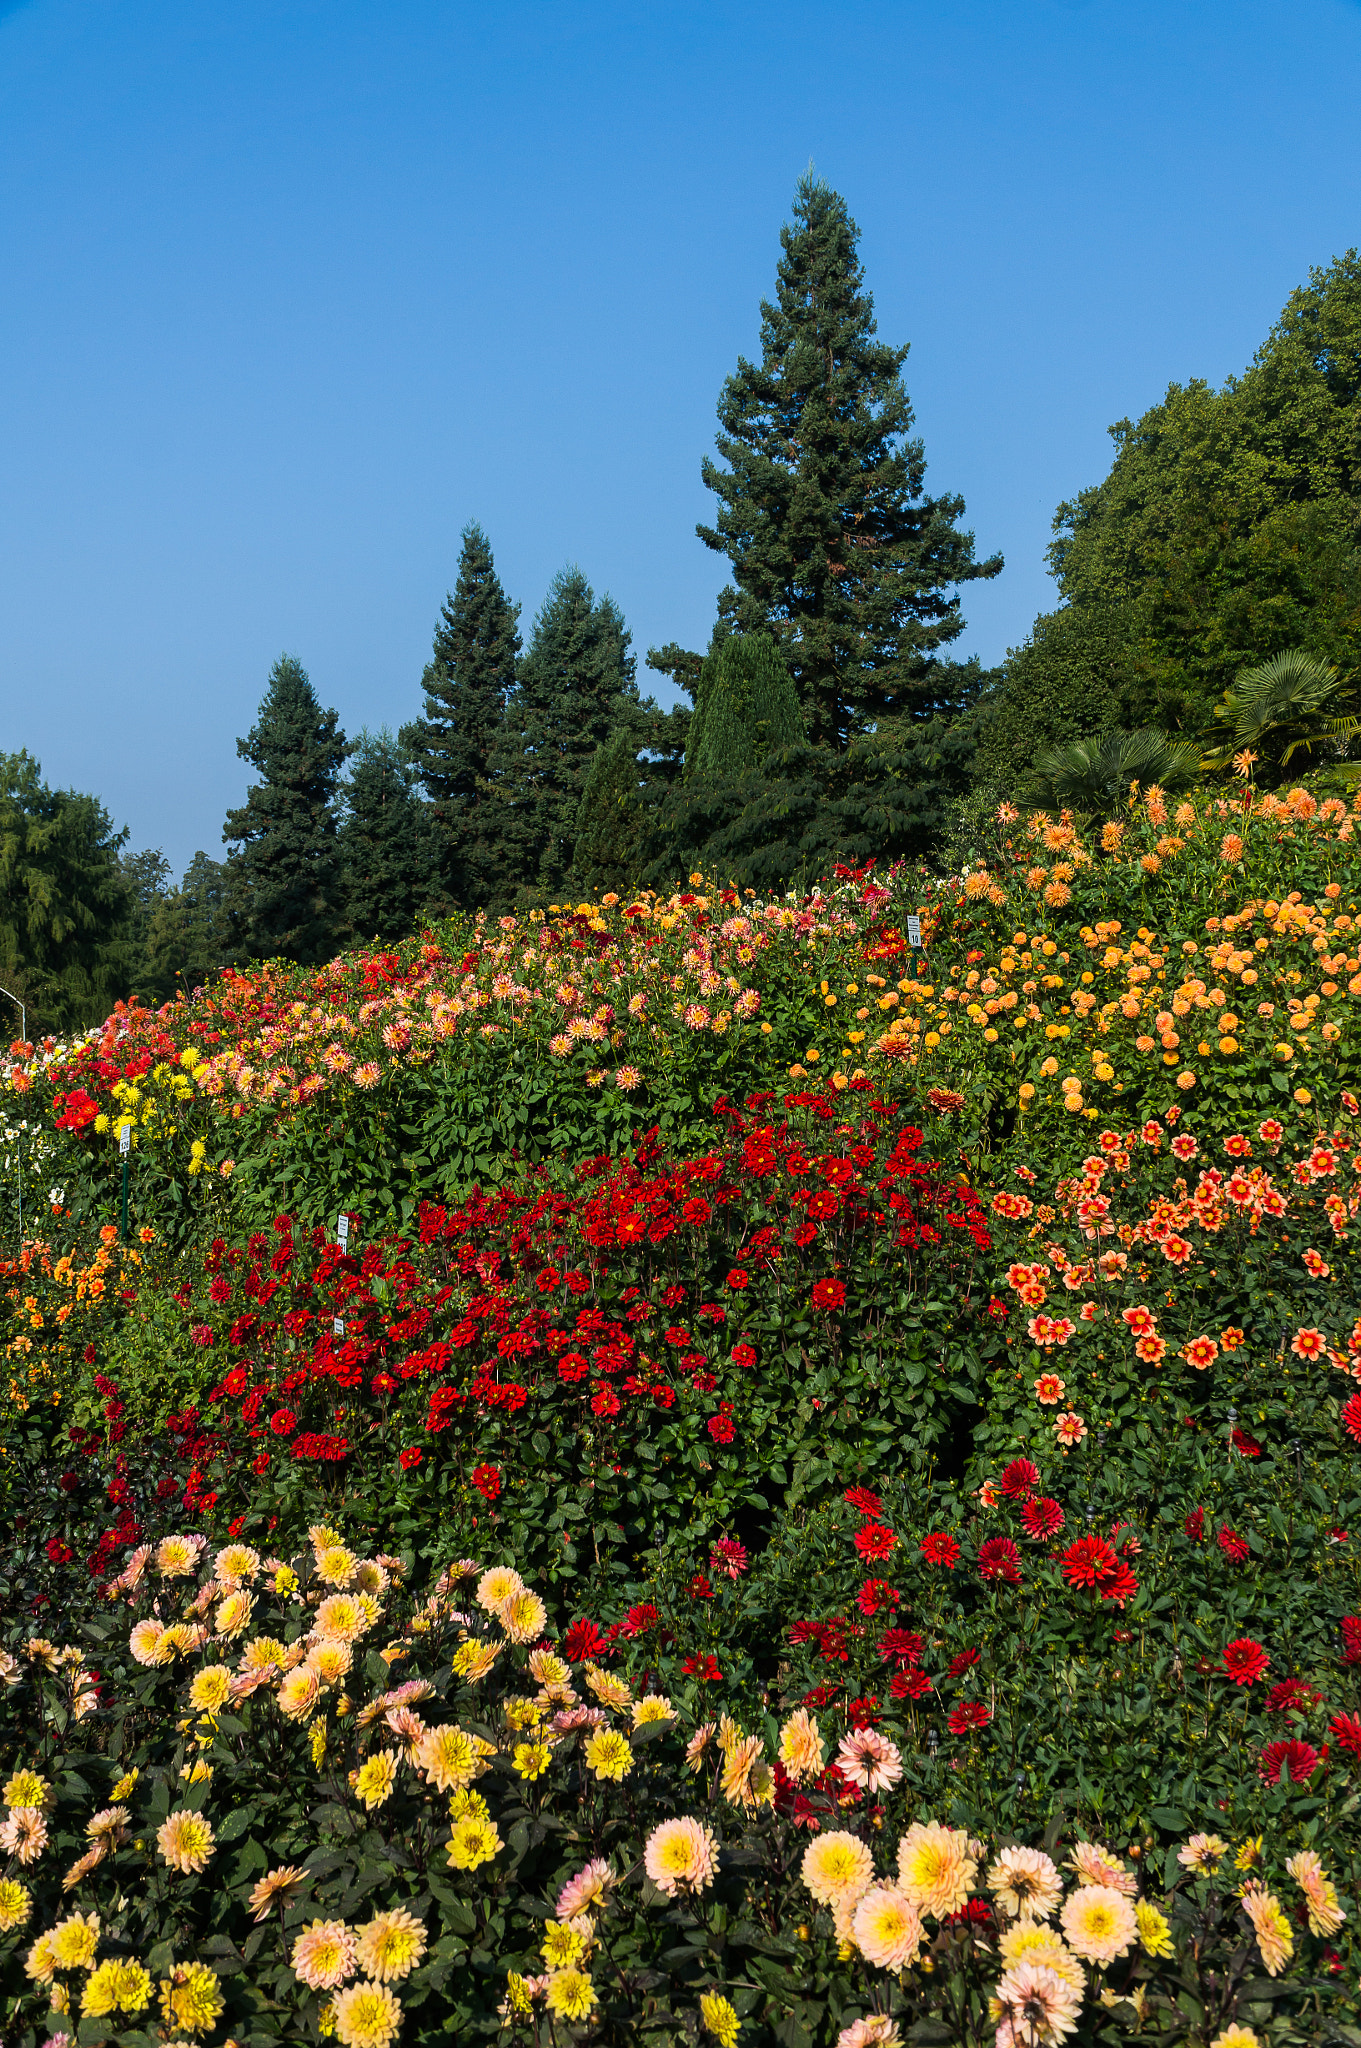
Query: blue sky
x,y
290,292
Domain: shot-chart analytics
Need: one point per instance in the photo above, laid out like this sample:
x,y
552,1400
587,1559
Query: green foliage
x,y
467,682
746,709
574,689
1078,672
387,846
806,809
609,820
1233,517
188,932
1094,776
836,550
67,907
284,877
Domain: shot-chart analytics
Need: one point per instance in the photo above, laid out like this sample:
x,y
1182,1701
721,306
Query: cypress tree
x,y
746,708
575,686
466,684
836,550
387,848
284,876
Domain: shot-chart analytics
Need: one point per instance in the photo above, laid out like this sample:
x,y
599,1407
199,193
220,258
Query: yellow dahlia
x,y
680,1856
837,1864
185,1841
390,1945
366,2016
1099,1923
887,1928
935,1867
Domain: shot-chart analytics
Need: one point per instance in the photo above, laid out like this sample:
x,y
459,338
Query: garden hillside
x,y
687,1468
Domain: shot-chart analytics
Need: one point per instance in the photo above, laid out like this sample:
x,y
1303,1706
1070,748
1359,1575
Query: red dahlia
x,y
999,1558
1088,1561
1041,1518
875,1541
1245,1661
940,1548
1299,1760
1020,1479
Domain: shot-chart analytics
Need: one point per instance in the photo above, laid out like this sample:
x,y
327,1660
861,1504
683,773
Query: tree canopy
x,y
1232,517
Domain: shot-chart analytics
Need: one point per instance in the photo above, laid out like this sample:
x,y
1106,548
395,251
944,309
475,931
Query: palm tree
x,y
1277,708
1093,776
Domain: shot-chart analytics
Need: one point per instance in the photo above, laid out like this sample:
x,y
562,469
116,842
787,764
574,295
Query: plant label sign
x,y
125,1140
914,931
343,1231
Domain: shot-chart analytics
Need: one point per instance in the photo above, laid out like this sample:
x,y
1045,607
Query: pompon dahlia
x,y
887,1928
1274,1939
936,1867
1034,2007
1099,1923
680,1856
1025,1883
836,1864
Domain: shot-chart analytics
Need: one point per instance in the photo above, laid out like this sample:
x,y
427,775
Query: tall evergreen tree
x,y
284,877
387,849
467,681
575,686
835,548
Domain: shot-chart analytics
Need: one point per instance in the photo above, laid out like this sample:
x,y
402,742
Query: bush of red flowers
x,y
704,1341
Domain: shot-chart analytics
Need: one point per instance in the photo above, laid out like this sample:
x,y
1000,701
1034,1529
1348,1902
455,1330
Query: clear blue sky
x,y
289,292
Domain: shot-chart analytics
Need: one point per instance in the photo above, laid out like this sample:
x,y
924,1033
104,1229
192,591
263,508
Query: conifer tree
x,y
284,877
387,847
466,684
746,708
575,687
836,550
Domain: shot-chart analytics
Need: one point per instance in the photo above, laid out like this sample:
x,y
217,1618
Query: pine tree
x,y
466,683
387,848
575,687
836,550
609,818
746,708
284,877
